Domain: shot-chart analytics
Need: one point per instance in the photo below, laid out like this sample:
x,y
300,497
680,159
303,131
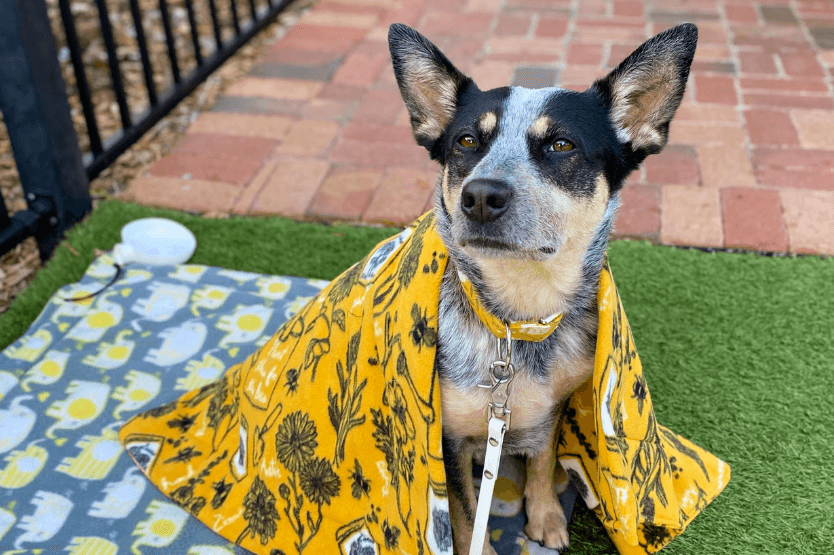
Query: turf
x,y
738,352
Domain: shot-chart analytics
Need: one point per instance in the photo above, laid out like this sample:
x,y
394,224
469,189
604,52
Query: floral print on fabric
x,y
259,512
332,428
646,482
327,439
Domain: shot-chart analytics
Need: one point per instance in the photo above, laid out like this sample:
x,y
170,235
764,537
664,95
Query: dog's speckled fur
x,y
543,254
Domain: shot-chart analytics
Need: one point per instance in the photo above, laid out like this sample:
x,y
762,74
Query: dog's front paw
x,y
548,526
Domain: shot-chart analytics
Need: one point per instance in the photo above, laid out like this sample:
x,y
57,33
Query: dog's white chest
x,y
465,409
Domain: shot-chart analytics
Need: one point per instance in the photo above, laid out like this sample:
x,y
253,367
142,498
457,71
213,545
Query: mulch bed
x,y
18,267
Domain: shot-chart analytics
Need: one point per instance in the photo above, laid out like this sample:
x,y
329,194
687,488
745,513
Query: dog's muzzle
x,y
485,200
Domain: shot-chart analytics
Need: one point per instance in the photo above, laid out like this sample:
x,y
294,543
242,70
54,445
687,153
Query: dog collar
x,y
524,330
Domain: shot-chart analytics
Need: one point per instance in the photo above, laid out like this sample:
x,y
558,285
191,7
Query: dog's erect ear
x,y
647,87
428,81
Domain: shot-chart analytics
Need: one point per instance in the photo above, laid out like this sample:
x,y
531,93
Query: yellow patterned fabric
x,y
328,438
644,482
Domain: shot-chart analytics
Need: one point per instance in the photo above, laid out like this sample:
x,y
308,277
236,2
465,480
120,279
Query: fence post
x,y
33,100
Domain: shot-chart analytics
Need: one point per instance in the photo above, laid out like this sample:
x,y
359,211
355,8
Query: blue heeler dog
x,y
525,201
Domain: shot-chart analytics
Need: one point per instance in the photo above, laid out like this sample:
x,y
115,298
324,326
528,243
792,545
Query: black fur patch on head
x,y
582,120
473,104
614,125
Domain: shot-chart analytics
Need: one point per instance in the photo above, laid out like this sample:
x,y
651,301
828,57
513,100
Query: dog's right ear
x,y
428,81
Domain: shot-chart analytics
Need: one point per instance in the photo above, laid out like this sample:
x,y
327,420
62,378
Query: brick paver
x,y
639,215
318,130
815,127
404,193
808,218
691,215
753,219
289,189
345,194
194,195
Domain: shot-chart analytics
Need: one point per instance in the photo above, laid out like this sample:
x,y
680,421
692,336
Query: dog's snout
x,y
484,200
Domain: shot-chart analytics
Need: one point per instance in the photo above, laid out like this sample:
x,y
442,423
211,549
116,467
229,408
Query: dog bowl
x,y
154,241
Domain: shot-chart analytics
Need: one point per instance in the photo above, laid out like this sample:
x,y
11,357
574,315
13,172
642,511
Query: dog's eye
x,y
561,145
467,141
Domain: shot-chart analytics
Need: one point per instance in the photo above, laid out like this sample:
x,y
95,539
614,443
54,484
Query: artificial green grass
x,y
737,349
738,352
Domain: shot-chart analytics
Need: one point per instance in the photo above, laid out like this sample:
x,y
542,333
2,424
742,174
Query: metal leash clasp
x,y
501,375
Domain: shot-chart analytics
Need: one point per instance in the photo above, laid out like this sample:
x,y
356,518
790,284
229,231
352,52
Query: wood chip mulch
x,y
18,267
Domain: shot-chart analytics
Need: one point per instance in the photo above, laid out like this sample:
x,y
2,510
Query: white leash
x,y
497,427
498,424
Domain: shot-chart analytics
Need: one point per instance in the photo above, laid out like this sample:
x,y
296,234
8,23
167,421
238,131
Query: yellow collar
x,y
529,330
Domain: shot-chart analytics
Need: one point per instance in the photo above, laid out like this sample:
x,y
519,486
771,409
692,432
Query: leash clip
x,y
501,375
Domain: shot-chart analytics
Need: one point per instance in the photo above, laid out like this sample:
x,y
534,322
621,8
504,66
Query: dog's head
x,y
531,173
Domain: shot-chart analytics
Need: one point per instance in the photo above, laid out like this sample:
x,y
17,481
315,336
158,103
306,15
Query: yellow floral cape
x,y
328,438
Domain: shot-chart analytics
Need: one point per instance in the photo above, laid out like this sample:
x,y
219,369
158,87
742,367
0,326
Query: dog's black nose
x,y
484,200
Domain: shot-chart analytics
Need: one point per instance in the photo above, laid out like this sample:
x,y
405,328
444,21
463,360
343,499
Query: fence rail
x,y
102,155
28,61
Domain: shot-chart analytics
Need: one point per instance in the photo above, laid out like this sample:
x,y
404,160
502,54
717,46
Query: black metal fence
x,y
53,170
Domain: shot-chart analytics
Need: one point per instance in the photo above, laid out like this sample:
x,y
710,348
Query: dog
x,y
525,203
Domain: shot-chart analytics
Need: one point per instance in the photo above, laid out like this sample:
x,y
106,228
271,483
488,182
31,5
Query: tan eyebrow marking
x,y
540,127
488,122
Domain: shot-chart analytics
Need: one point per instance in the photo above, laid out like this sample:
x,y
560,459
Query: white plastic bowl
x,y
154,241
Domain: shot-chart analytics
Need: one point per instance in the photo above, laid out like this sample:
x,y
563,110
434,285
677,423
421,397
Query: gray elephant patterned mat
x,y
84,368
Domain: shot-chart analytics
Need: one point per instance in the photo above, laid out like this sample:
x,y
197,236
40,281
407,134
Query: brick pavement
x,y
317,130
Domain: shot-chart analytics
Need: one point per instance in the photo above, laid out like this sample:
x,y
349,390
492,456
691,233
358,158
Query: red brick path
x,y
317,130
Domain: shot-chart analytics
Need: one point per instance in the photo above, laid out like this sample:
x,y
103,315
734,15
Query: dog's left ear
x,y
428,81
646,89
